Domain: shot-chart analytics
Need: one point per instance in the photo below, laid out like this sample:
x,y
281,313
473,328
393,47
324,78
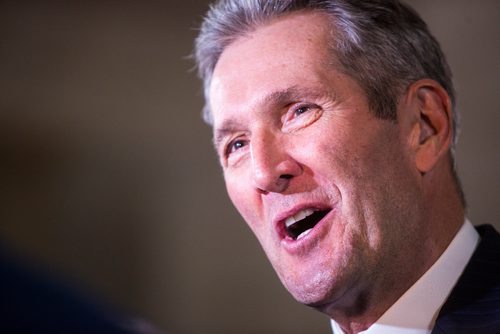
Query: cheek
x,y
243,198
236,193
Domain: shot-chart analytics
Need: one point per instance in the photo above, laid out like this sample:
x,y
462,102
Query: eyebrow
x,y
292,93
271,101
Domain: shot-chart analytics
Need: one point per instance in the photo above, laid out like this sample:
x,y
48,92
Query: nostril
x,y
286,176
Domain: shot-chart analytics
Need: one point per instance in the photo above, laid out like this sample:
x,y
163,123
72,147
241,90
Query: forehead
x,y
283,53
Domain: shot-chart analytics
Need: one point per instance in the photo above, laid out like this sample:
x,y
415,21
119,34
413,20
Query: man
x,y
335,124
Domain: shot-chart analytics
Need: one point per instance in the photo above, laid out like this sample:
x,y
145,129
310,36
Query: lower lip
x,y
310,239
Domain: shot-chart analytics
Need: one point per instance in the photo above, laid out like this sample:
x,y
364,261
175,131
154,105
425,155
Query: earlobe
x,y
434,123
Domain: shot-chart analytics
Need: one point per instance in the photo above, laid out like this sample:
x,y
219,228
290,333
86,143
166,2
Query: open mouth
x,y
300,224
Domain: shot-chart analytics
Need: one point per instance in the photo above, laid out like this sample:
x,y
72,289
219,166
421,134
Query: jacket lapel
x,y
474,303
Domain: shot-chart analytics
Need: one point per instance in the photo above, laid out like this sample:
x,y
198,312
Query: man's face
x,y
296,138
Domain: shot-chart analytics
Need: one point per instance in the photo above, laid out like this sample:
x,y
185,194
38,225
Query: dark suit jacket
x,y
474,303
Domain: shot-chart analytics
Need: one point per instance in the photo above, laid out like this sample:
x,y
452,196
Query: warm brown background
x,y
108,177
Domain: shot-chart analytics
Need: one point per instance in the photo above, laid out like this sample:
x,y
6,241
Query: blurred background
x,y
109,180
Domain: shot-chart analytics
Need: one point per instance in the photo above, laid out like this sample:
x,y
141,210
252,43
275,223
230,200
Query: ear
x,y
432,122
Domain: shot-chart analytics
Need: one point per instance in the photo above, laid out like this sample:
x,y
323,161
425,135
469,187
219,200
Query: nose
x,y
273,167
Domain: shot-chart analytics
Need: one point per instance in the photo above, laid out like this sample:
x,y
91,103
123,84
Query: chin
x,y
312,291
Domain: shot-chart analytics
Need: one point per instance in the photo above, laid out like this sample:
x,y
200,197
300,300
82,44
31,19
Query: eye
x,y
301,110
300,116
235,145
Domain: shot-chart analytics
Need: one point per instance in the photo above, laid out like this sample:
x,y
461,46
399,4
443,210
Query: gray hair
x,y
382,44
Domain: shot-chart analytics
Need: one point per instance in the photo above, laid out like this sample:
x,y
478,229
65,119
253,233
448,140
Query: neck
x,y
369,304
441,216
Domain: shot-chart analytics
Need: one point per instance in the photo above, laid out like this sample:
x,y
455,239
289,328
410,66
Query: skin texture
x,y
293,132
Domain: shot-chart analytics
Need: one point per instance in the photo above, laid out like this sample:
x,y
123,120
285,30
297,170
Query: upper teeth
x,y
298,216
